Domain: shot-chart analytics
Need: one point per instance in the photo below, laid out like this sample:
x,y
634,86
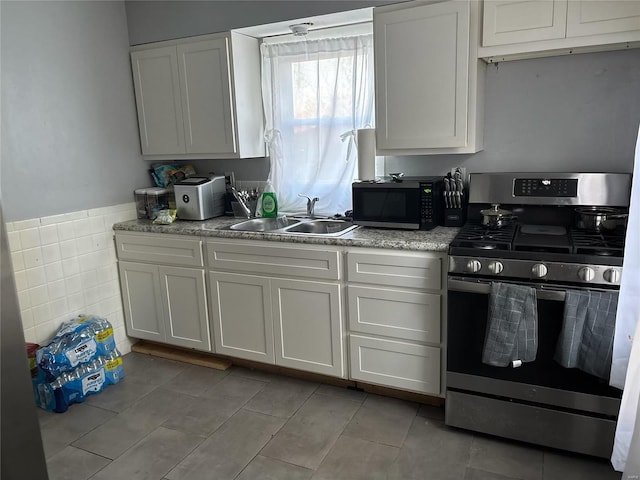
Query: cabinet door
x,y
143,311
185,307
241,316
157,89
589,17
206,96
518,21
422,76
396,364
308,326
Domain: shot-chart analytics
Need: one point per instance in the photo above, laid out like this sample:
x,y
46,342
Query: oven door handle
x,y
477,286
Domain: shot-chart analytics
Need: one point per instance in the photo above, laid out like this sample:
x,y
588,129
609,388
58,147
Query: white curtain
x,y
316,94
625,367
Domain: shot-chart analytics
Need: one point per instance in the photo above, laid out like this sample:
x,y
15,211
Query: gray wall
x,y
569,113
153,21
69,129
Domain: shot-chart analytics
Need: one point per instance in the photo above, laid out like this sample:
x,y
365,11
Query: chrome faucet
x,y
311,203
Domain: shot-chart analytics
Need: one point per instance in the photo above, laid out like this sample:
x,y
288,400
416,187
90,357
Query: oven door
x,y
542,381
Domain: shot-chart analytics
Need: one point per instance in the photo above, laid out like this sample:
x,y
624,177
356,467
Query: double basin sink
x,y
324,227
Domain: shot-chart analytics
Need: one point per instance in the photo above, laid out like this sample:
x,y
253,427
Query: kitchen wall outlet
x,y
229,179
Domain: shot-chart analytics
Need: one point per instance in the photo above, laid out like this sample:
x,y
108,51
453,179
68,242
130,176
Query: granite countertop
x,y
436,240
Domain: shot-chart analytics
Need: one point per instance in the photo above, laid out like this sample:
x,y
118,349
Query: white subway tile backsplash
x,y
96,225
15,245
54,272
68,249
84,245
24,299
48,234
59,307
30,238
51,253
73,284
65,265
52,219
41,314
36,277
17,261
27,318
65,231
89,279
32,257
21,280
9,226
76,303
82,227
38,295
45,332
76,215
57,290
26,224
30,335
70,267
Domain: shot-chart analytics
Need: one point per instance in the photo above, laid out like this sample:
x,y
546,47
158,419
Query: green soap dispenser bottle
x,y
269,202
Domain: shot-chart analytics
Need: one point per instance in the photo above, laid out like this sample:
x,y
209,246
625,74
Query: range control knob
x,y
473,266
539,270
586,274
496,267
611,276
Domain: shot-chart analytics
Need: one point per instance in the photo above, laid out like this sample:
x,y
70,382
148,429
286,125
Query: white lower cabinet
x,y
308,326
278,319
241,316
164,295
165,304
396,308
394,363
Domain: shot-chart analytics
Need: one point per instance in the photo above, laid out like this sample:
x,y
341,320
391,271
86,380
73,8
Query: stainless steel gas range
x,y
538,245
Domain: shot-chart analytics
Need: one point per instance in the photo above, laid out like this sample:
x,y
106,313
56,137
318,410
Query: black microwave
x,y
414,203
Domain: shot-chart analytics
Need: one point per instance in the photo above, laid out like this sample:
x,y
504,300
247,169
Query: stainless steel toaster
x,y
200,198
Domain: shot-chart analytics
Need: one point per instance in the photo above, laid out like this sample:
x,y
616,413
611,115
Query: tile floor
x,y
175,421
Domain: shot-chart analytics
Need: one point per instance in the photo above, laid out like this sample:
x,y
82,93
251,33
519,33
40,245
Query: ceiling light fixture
x,y
300,29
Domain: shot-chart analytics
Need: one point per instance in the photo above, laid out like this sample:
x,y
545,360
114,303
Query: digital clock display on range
x,y
545,187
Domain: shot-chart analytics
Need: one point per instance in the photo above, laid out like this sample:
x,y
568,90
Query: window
x,y
316,94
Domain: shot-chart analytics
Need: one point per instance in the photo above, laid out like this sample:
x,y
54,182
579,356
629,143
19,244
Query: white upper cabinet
x,y
427,78
523,21
206,96
517,29
199,97
157,87
602,17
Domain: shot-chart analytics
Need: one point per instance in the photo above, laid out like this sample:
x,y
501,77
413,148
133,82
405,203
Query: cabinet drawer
x,y
395,313
395,364
274,260
164,250
422,271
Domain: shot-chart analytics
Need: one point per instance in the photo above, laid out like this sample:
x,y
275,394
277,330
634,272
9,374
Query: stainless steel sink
x,y
295,226
322,227
263,224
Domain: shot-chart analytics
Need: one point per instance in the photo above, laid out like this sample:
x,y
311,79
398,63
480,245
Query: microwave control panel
x,y
431,211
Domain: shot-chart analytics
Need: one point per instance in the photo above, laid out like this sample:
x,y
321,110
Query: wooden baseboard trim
x,y
181,355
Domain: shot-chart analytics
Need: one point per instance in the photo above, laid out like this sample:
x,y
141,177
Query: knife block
x,y
455,217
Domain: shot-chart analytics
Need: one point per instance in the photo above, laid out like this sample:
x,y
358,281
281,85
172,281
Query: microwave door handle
x,y
485,288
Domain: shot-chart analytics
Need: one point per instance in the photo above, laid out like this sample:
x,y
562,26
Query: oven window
x,y
387,205
467,322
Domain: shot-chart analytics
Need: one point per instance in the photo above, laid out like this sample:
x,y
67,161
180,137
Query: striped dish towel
x,y
512,326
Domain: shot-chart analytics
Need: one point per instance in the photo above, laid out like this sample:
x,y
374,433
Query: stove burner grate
x,y
603,244
478,236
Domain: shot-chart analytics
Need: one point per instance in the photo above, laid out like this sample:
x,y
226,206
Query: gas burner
x,y
487,246
602,244
474,235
